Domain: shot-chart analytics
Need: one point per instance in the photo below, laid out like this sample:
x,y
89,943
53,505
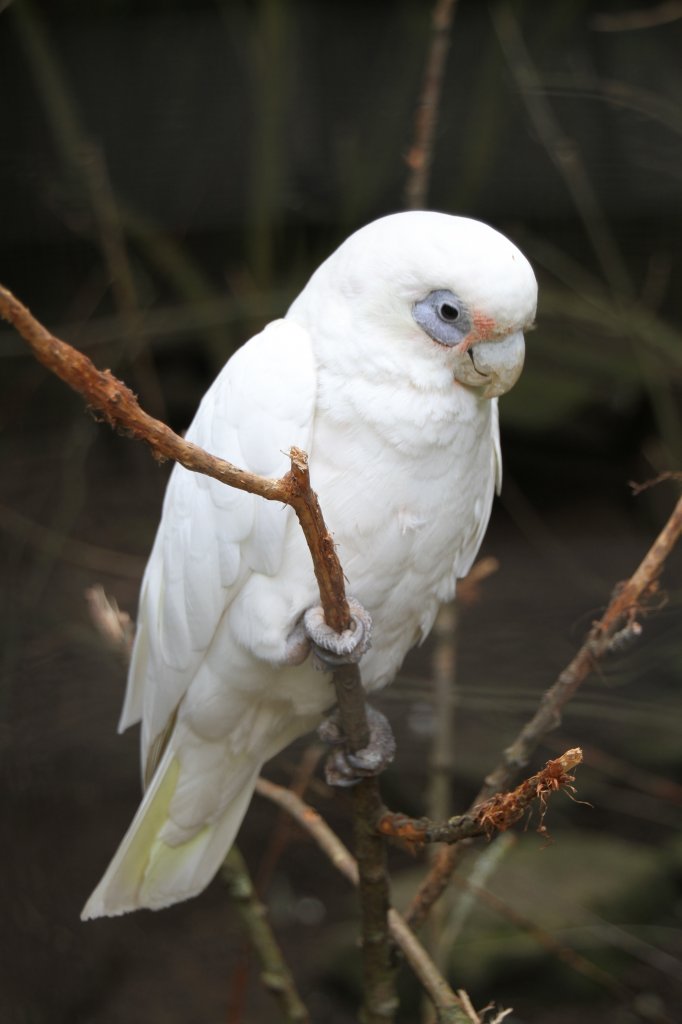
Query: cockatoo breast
x,y
406,477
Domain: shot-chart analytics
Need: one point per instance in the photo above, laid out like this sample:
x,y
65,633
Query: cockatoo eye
x,y
443,316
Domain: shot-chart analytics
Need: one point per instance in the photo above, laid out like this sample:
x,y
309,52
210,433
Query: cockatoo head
x,y
426,291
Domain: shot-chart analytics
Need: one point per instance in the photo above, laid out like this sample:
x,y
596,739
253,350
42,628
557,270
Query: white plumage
x,y
393,397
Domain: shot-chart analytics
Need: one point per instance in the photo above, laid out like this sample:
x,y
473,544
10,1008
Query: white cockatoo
x,y
386,370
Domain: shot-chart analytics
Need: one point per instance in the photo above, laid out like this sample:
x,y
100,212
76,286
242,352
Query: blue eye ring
x,y
443,316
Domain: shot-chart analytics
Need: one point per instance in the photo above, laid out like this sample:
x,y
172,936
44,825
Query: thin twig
x,y
443,669
420,156
442,760
275,974
441,764
114,626
565,154
380,1001
669,474
281,835
86,159
284,831
642,17
566,954
486,864
49,541
561,149
628,601
496,814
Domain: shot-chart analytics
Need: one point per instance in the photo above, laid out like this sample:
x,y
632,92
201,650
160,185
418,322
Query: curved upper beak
x,y
493,366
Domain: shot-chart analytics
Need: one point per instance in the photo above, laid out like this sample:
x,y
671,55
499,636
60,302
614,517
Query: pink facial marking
x,y
483,328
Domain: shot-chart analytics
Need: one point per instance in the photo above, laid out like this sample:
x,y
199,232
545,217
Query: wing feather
x,y
211,537
492,475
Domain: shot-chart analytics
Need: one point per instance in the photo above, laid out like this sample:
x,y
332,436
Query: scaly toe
x,y
331,649
347,769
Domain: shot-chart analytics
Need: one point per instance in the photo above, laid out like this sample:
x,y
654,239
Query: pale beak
x,y
493,366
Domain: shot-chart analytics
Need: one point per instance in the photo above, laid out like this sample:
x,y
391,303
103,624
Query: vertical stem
x,y
420,157
379,998
441,768
275,974
444,701
380,1001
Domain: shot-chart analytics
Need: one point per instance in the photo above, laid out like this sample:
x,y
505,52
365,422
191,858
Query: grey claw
x,y
347,769
331,649
329,730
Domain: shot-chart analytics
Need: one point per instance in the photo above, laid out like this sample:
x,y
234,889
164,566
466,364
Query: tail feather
x,y
148,872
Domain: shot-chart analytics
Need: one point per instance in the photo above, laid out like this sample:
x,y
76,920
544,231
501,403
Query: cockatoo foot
x,y
298,645
345,769
331,649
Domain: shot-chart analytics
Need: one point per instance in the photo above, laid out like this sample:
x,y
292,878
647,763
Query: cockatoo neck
x,y
367,386
375,368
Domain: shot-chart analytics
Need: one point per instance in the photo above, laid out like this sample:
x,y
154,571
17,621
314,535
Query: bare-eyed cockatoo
x,y
386,370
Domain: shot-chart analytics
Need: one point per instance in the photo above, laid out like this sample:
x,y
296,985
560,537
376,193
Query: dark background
x,y
170,174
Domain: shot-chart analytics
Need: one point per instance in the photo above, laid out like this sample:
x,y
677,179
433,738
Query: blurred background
x,y
170,174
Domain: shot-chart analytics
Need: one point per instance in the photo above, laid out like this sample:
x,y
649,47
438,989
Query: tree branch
x,y
497,814
275,974
420,156
117,405
629,601
447,1004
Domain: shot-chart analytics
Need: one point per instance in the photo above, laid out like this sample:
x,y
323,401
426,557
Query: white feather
x,y
405,461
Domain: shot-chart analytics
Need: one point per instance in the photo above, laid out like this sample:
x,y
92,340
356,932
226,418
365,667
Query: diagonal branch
x,y
628,602
275,974
117,405
496,814
561,149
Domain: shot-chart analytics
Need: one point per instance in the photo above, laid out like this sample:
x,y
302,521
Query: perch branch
x,y
117,405
275,974
627,603
444,999
496,814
